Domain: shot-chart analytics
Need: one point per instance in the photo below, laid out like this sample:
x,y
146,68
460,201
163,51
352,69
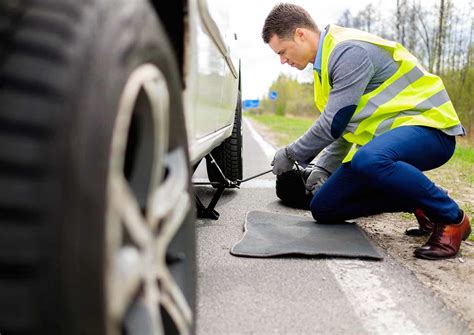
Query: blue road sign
x,y
251,104
272,95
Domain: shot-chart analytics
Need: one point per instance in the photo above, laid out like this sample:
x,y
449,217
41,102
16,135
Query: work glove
x,y
282,162
316,179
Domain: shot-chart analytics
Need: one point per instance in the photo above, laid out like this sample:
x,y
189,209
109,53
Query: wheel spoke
x,y
127,275
166,198
175,303
126,204
170,226
171,296
170,216
152,302
158,95
128,262
143,319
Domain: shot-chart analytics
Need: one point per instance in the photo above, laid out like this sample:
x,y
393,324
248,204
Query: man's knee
x,y
367,163
321,210
318,213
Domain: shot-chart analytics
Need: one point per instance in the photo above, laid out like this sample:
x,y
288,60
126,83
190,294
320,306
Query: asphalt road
x,y
293,295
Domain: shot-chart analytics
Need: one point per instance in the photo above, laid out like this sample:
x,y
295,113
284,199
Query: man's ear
x,y
300,34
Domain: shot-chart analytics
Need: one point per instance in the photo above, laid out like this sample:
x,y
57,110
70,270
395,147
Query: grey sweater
x,y
355,68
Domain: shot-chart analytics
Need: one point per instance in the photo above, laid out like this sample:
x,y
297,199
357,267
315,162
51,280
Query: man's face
x,y
296,52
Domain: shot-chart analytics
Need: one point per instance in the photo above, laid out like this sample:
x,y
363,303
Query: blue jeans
x,y
385,175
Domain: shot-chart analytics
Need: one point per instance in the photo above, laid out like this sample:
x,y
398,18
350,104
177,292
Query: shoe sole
x,y
433,258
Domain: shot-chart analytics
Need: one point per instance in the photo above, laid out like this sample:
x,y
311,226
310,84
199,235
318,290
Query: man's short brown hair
x,y
283,20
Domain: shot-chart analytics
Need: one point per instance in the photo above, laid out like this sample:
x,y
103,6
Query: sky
x,y
260,65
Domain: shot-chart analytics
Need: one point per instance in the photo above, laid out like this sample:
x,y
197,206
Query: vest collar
x,y
319,54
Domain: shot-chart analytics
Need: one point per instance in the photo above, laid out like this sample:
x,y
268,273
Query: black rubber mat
x,y
274,234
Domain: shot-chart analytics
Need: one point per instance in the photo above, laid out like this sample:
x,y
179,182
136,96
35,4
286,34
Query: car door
x,y
217,72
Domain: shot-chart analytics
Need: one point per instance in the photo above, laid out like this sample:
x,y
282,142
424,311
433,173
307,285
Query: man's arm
x,y
350,70
329,160
332,156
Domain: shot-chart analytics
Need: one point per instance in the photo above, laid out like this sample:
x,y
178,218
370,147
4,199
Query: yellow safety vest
x,y
410,97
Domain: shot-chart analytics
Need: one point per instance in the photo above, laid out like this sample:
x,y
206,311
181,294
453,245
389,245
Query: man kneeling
x,y
384,114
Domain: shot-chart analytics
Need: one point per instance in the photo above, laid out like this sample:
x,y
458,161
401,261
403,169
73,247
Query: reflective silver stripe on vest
x,y
435,100
385,125
388,94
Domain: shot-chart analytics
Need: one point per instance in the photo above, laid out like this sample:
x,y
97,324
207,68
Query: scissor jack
x,y
209,212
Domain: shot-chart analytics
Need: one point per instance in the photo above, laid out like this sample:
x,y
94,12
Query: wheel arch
x,y
173,16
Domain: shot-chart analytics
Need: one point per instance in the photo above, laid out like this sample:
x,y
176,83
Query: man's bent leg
x,y
346,196
392,163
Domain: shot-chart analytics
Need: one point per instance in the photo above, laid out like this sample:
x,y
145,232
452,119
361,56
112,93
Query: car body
x,y
106,107
211,76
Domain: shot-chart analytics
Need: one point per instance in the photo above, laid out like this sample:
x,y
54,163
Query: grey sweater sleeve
x,y
350,70
331,157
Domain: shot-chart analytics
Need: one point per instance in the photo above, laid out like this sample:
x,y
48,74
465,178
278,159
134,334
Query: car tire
x,y
228,155
290,188
96,223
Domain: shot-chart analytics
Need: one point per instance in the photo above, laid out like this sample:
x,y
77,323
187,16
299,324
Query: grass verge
x,y
285,129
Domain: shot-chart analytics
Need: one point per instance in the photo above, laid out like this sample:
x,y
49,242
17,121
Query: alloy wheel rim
x,y
141,224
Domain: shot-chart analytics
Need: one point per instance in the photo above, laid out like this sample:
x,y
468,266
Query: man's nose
x,y
283,60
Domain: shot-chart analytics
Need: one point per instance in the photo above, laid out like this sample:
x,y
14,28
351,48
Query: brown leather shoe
x,y
425,226
445,240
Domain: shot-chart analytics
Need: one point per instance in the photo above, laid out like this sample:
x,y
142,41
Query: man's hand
x,y
281,162
316,179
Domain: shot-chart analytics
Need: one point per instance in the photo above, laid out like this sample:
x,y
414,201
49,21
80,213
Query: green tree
x,y
294,98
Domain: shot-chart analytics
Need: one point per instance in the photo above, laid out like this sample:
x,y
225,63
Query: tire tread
x,y
36,36
229,154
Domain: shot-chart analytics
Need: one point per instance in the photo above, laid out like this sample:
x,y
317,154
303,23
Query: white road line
x,y
267,148
373,303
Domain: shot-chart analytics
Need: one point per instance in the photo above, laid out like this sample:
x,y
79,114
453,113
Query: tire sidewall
x,y
116,37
